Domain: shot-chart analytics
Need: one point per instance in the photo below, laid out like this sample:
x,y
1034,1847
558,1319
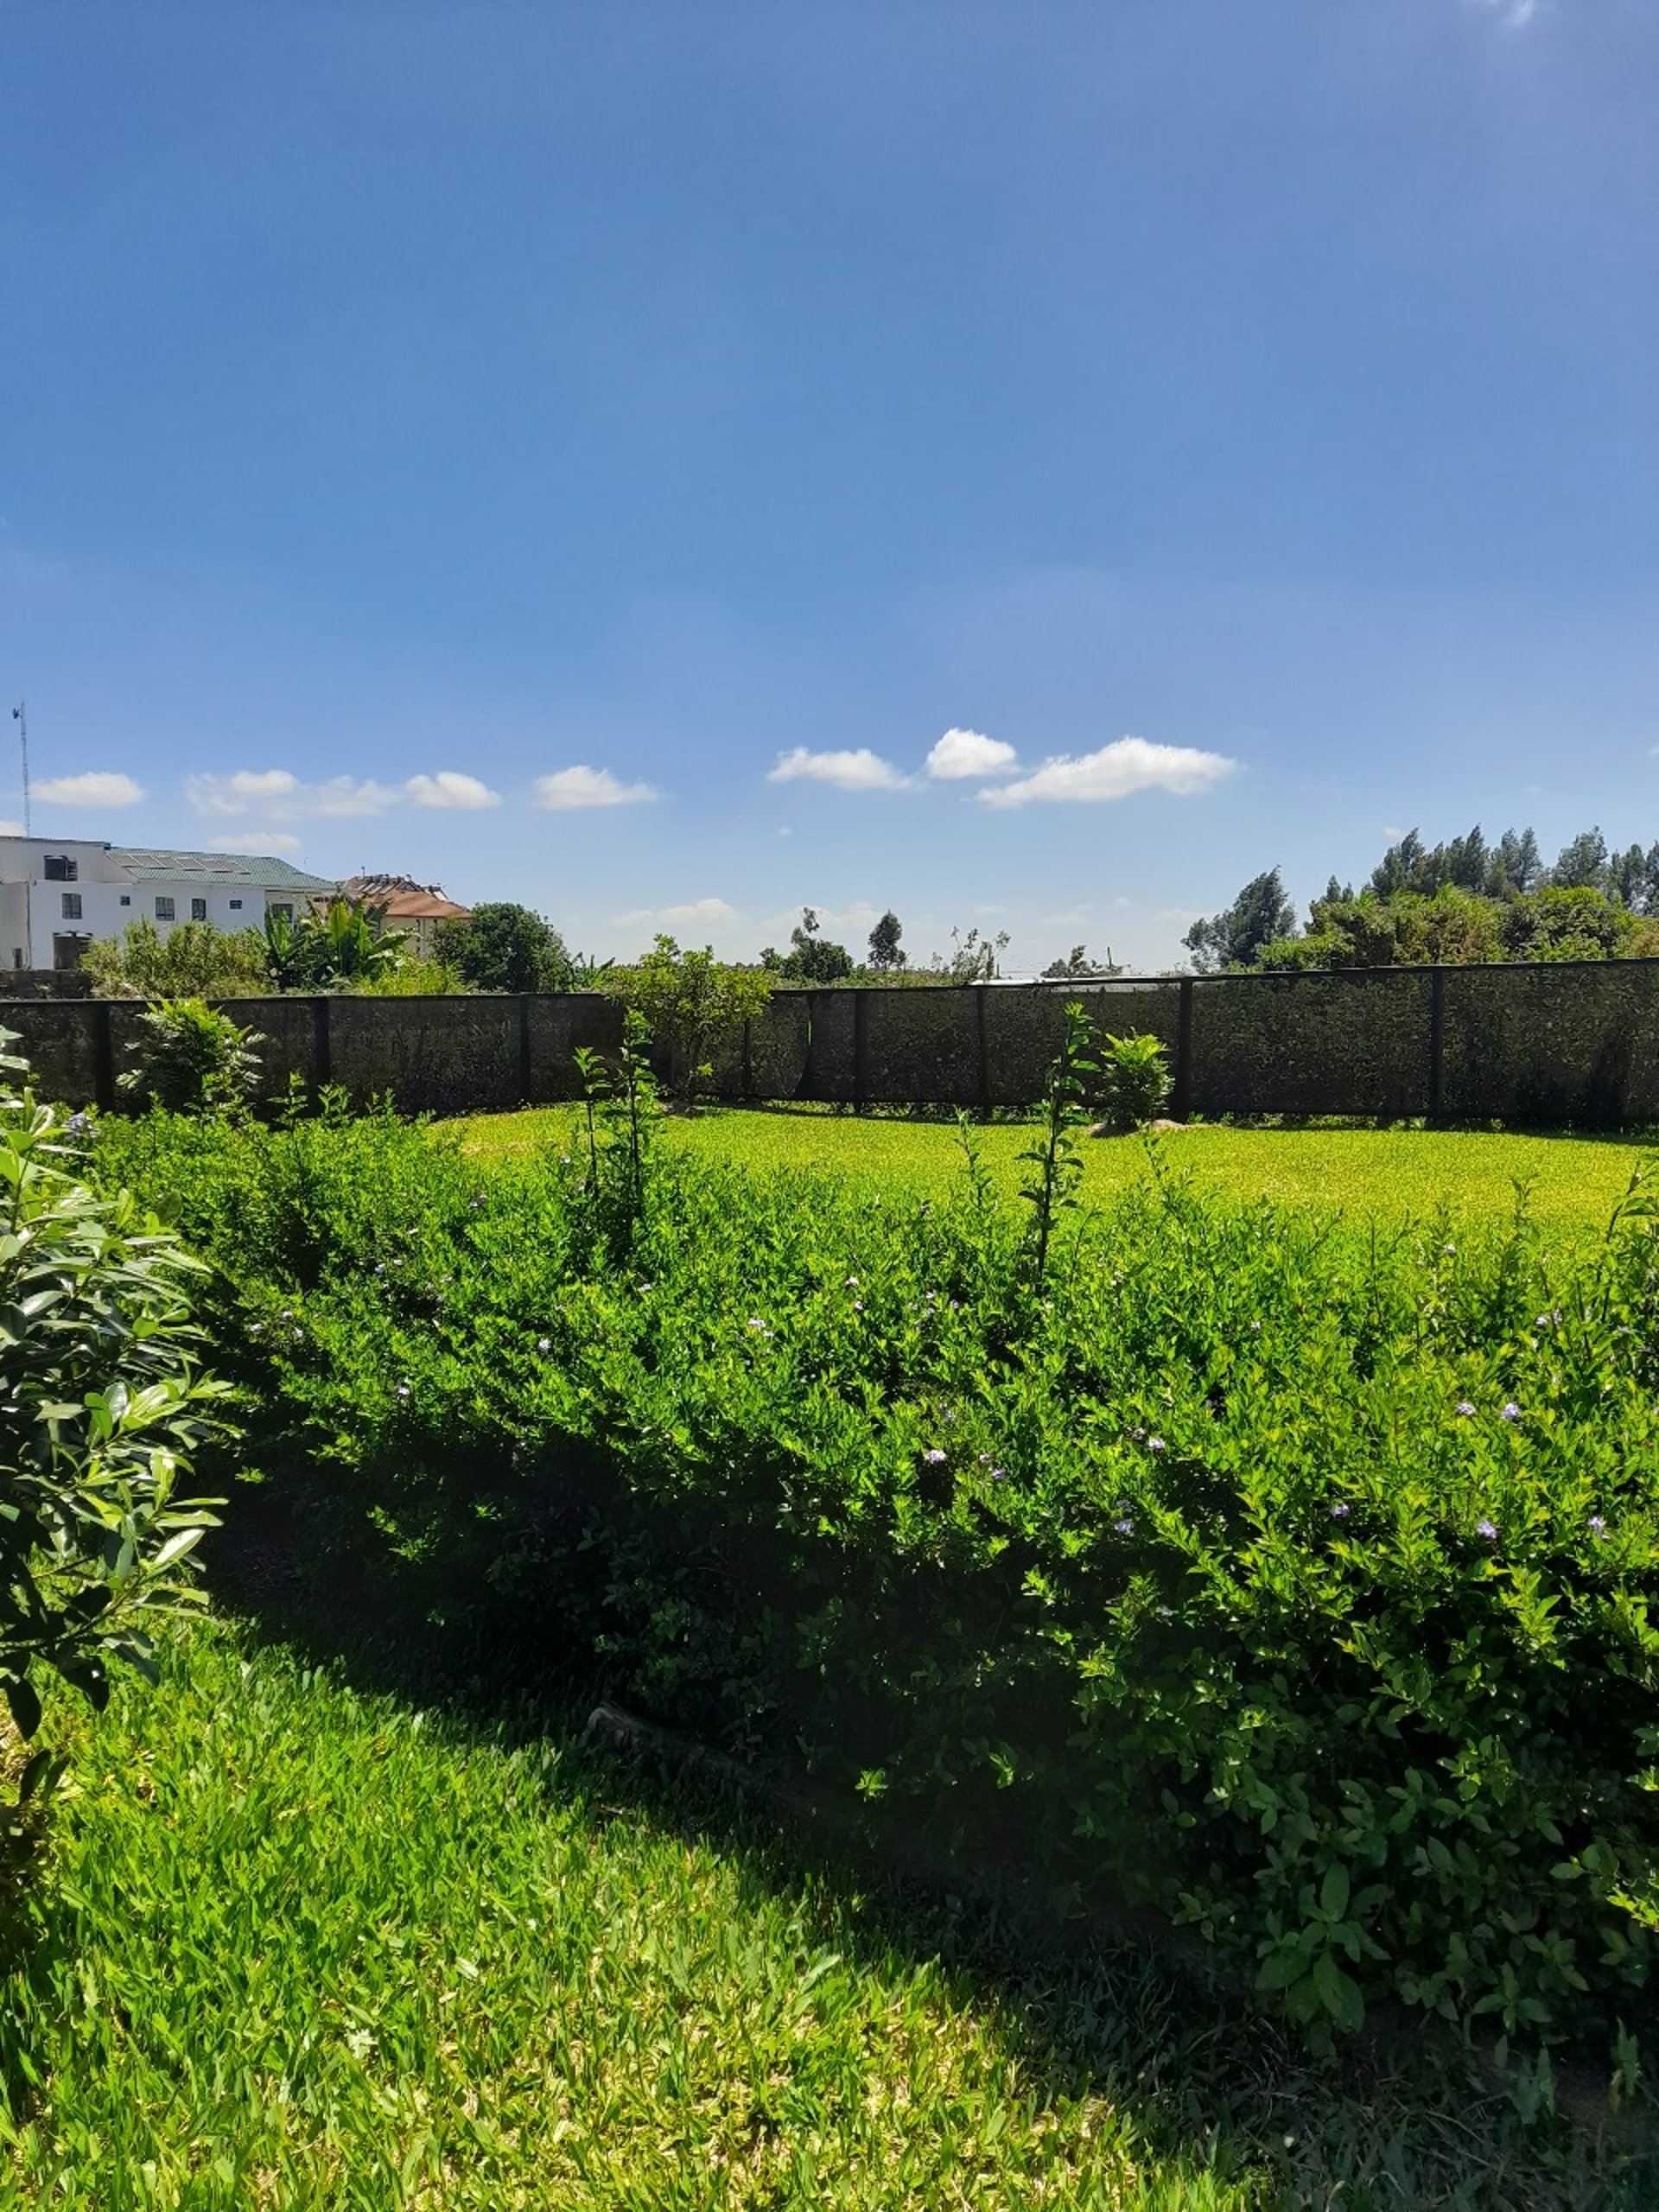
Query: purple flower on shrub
x,y
999,1474
1464,1406
1597,1527
1510,1412
1125,1526
1487,1529
934,1457
1341,1509
403,1389
1156,1443
544,1344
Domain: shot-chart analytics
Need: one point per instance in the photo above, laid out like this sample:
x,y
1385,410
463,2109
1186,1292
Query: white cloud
x,y
97,787
701,910
344,797
962,752
257,841
450,788
856,771
1115,772
234,794
567,788
279,796
12,828
694,910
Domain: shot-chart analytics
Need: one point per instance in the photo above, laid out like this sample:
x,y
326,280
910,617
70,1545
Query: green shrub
x,y
1137,1081
348,944
1296,1581
102,1405
501,946
192,1059
692,1003
194,960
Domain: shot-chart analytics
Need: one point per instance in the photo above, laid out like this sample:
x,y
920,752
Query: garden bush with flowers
x,y
1292,1580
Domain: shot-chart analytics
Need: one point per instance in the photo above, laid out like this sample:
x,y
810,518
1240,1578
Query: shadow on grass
x,y
31,1943
1400,2118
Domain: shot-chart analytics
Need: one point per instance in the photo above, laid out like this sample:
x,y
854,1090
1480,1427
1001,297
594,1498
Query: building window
x,y
67,949
285,912
198,910
126,897
72,906
236,905
163,907
60,869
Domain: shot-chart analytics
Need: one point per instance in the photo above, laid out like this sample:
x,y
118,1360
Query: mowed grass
x,y
1361,1175
306,1947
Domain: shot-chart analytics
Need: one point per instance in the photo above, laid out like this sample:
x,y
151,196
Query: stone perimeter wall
x,y
1567,1045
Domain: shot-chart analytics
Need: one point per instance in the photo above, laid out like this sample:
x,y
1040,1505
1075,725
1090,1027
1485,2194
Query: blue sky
x,y
595,455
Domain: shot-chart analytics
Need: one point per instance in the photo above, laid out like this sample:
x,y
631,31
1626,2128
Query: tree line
x,y
1463,900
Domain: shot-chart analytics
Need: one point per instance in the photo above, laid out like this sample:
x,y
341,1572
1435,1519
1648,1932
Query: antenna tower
x,y
20,716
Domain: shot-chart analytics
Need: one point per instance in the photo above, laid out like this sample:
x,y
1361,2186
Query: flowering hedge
x,y
1293,1579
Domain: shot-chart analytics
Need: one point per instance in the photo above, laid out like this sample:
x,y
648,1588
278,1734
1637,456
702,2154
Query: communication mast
x,y
20,716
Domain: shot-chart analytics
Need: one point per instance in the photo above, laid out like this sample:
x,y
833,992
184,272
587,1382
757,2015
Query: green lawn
x,y
309,1947
1363,1173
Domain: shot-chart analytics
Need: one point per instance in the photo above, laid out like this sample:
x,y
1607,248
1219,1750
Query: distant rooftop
x,y
148,864
403,898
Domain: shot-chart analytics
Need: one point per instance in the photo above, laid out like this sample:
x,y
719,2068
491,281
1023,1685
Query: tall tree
x,y
1516,865
885,951
1260,915
1582,864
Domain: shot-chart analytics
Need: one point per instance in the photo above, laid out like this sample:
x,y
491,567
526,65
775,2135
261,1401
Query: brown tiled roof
x,y
403,900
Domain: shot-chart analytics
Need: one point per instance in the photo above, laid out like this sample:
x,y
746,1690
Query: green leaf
x,y
1334,1891
24,1703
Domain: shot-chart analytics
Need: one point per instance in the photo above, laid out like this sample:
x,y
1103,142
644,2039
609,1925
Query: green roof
x,y
148,864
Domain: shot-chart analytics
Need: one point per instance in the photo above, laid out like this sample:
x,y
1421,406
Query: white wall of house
x,y
42,908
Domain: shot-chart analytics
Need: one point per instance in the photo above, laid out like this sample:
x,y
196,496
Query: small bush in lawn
x,y
193,1059
101,1404
1137,1082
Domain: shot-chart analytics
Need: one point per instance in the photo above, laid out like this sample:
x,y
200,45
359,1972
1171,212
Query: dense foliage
x,y
1295,1581
812,957
694,1004
101,1405
502,946
347,944
194,960
190,1059
1462,901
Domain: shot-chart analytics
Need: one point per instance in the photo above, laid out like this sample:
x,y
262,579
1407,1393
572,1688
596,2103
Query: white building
x,y
58,893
